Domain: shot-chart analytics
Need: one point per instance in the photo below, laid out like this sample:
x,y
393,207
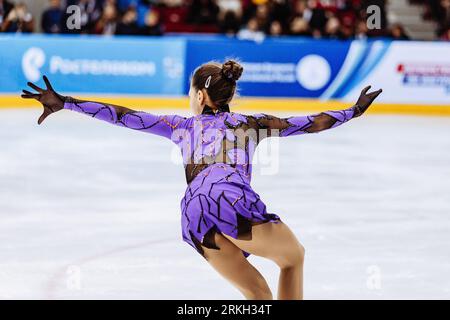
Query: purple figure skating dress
x,y
217,150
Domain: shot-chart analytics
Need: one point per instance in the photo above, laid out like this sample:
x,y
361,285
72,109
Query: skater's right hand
x,y
51,100
365,100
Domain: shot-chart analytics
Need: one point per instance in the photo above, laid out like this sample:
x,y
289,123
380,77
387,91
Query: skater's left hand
x,y
51,100
365,100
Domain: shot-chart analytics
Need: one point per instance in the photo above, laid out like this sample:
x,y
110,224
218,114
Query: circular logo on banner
x,y
313,72
32,62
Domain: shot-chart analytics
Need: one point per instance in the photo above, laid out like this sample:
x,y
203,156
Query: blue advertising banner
x,y
94,64
276,67
410,72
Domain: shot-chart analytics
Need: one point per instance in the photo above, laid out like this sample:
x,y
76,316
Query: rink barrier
x,y
412,73
245,104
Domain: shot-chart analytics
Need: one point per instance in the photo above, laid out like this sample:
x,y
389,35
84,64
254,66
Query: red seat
x,y
176,15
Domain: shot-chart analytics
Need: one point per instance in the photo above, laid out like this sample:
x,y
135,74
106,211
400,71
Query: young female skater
x,y
222,217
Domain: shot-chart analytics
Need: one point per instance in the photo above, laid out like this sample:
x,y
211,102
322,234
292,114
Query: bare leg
x,y
233,266
278,243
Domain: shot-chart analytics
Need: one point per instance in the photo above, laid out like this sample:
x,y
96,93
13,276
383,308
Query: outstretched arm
x,y
162,125
121,116
317,122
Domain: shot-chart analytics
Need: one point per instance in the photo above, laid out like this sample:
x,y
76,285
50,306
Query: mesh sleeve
x,y
161,125
303,124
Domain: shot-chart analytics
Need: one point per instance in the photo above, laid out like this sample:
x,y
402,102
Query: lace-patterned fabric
x,y
217,150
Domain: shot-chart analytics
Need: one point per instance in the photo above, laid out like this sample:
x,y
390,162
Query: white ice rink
x,y
89,210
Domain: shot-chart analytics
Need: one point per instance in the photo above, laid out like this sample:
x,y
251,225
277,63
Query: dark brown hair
x,y
221,87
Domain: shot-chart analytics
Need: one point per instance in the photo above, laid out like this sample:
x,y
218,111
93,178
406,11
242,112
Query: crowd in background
x,y
246,19
439,11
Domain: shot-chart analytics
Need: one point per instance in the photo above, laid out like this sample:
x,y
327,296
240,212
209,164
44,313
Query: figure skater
x,y
222,217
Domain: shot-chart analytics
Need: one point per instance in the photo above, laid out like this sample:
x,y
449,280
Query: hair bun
x,y
232,70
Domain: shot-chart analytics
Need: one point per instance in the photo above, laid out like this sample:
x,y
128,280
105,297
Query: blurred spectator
x,y
107,24
445,35
52,18
229,23
445,5
251,31
347,32
438,10
333,29
142,9
5,8
248,19
276,29
262,17
128,23
347,12
299,27
280,10
397,32
203,12
18,20
318,18
152,25
443,17
301,10
361,30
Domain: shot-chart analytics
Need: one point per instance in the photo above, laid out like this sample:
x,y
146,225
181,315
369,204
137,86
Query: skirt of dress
x,y
220,199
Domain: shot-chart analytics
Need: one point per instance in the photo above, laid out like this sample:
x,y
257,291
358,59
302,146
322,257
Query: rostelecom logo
x,y
32,62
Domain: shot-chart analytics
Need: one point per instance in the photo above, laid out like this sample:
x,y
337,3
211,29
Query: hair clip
x,y
208,82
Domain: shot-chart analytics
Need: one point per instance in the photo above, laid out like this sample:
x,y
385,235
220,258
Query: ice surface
x,y
89,210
